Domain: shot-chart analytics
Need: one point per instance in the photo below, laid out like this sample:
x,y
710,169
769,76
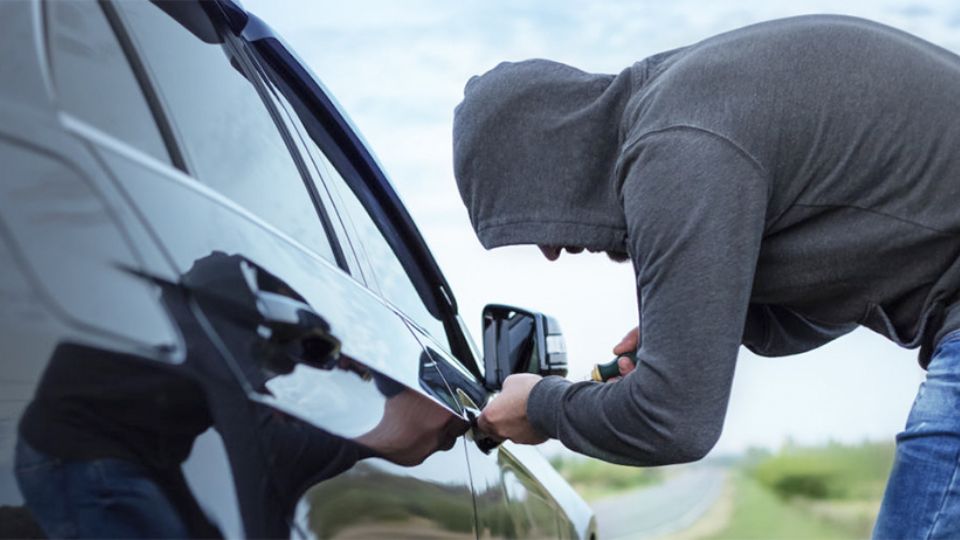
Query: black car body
x,y
180,193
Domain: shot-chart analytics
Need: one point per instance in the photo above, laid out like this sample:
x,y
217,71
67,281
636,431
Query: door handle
x,y
288,331
237,288
295,327
484,442
291,319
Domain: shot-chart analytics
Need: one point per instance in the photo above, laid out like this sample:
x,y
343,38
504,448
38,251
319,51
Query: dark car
x,y
189,224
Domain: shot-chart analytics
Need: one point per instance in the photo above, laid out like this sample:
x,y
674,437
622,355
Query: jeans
x,y
103,498
922,498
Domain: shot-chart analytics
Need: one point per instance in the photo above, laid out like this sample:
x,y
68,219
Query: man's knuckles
x,y
490,423
628,343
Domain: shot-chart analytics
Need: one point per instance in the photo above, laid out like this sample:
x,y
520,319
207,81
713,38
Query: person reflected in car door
x,y
101,445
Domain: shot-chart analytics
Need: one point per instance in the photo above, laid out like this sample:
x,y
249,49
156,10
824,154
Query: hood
x,y
535,147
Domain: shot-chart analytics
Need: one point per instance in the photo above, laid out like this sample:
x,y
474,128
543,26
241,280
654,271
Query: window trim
x,y
331,206
242,49
366,271
348,154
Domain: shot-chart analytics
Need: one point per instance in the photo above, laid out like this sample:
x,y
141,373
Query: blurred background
x,y
808,439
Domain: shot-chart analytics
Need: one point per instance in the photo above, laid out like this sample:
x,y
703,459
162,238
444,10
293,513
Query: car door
x,y
511,501
69,298
378,421
418,499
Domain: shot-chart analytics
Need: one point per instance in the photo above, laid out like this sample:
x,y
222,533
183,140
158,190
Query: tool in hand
x,y
606,371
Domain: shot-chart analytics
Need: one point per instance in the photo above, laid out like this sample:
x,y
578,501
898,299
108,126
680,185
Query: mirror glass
x,y
520,341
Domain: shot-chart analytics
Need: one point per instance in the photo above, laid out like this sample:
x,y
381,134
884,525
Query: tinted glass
x,y
94,79
228,137
390,275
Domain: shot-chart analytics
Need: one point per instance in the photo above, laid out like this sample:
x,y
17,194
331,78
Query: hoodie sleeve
x,y
778,331
695,205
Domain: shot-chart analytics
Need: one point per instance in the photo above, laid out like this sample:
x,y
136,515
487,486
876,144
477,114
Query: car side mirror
x,y
519,341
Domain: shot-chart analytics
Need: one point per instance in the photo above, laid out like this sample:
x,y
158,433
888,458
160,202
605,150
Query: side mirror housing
x,y
519,341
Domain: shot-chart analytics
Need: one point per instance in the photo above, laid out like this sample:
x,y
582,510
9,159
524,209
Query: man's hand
x,y
628,344
506,416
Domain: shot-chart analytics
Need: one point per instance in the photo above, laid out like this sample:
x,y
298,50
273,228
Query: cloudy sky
x,y
398,68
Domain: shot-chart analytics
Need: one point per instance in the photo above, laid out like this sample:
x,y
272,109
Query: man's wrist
x,y
543,404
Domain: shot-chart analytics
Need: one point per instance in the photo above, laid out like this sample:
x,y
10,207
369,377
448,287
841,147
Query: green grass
x,y
826,492
760,514
594,479
832,472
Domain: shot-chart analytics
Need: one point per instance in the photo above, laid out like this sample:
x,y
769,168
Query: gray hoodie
x,y
776,186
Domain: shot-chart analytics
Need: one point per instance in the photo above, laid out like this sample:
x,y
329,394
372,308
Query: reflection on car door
x,y
382,401
73,316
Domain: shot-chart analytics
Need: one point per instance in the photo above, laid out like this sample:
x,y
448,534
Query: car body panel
x,y
518,492
101,246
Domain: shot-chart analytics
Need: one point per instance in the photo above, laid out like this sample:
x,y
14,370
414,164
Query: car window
x,y
226,132
93,78
381,268
389,274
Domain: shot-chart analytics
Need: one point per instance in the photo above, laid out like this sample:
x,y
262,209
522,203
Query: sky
x,y
398,69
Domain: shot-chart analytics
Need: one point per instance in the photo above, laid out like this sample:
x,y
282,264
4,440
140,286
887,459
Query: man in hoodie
x,y
775,186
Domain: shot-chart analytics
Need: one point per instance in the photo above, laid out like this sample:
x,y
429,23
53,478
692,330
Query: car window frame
x,y
240,49
356,268
366,271
336,137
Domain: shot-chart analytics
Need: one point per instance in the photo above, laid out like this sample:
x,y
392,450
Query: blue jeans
x,y
103,498
922,499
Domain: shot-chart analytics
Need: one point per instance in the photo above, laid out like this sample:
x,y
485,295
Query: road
x,y
662,509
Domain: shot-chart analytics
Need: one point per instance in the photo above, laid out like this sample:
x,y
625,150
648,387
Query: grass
x,y
833,472
760,514
594,479
826,492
